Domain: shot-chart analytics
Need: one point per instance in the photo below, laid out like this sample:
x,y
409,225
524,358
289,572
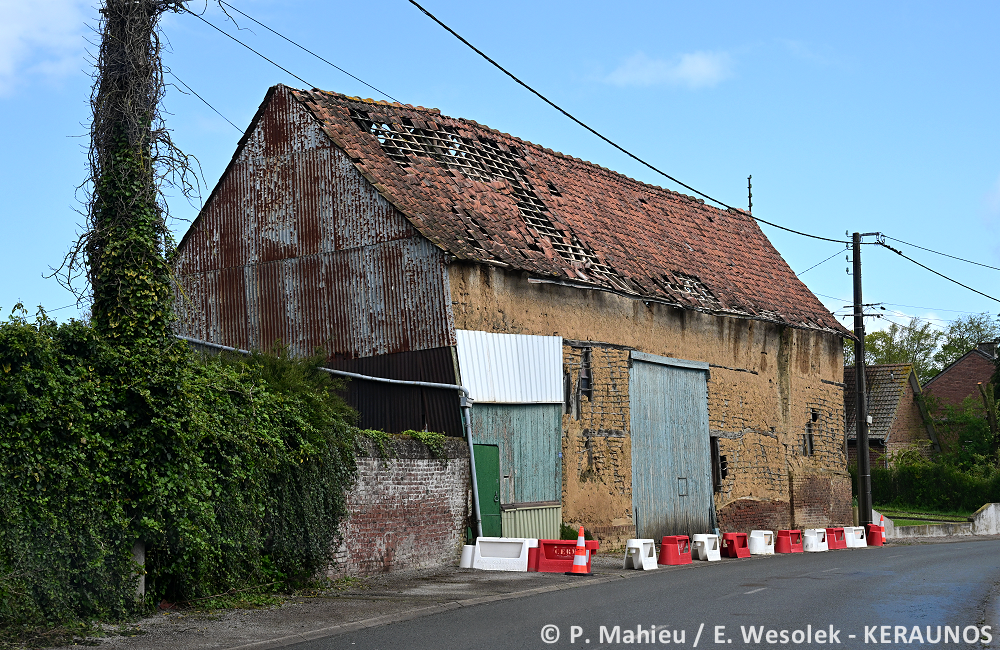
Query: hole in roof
x,y
552,189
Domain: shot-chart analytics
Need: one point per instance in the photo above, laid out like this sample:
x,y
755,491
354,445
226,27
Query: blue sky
x,y
850,117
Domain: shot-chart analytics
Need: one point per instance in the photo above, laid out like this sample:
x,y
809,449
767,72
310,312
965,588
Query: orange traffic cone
x,y
580,557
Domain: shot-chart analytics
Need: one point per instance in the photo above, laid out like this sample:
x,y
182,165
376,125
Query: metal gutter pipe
x,y
465,401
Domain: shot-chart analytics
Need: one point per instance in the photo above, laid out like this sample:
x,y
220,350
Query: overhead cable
x,y
900,253
929,250
308,85
305,49
608,140
818,263
171,72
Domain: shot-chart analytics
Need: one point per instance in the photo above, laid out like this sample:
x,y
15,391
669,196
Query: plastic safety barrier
x,y
789,541
640,554
556,555
876,535
814,540
835,538
855,536
502,553
675,550
705,547
735,545
761,542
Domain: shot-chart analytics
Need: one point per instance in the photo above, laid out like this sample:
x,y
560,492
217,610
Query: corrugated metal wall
x,y
529,438
671,458
510,368
396,408
294,245
540,522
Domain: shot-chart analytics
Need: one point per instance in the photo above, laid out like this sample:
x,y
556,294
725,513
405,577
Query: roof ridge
x,y
539,147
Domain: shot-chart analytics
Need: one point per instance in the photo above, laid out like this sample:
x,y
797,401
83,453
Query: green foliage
x,y
230,470
567,531
913,343
964,334
433,440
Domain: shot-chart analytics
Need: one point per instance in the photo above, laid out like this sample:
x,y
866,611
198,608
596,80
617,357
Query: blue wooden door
x,y
671,457
529,440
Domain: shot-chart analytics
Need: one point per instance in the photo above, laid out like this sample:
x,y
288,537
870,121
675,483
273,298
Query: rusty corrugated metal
x,y
294,245
395,408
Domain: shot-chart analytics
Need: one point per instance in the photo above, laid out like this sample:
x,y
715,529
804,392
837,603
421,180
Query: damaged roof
x,y
486,196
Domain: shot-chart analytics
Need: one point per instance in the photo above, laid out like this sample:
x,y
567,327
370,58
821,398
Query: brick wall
x,y
959,381
406,511
744,515
821,499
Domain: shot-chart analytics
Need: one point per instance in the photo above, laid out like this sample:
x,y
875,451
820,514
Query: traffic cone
x,y
580,557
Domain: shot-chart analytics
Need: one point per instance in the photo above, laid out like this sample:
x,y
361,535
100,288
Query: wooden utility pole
x,y
861,393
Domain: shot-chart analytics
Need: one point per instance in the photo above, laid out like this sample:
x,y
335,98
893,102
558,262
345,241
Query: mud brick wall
x,y
406,511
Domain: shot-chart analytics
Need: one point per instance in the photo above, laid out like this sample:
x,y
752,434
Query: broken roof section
x,y
486,196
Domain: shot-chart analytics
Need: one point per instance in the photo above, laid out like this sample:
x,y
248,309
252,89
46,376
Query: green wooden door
x,y
488,482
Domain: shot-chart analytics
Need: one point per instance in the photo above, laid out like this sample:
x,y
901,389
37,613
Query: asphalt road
x,y
848,592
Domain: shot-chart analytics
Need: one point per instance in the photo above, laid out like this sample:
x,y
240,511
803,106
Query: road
x,y
884,592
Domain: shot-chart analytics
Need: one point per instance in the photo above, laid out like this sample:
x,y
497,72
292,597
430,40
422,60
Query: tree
x,y
125,246
964,334
913,343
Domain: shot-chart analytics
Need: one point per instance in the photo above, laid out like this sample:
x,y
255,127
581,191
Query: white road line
x,y
754,591
829,570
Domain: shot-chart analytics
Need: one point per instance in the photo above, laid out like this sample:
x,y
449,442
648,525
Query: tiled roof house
x,y
958,381
898,417
392,236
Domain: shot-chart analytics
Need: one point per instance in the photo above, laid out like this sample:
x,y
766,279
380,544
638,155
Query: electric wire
x,y
900,253
606,139
171,72
929,250
818,263
309,85
305,49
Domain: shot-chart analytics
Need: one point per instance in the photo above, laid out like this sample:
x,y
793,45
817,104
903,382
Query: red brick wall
x,y
876,453
959,381
407,511
821,500
744,515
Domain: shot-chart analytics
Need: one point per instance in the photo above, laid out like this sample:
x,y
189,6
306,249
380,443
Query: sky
x,y
867,117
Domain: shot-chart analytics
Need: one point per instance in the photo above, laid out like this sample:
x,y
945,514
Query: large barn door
x,y
671,457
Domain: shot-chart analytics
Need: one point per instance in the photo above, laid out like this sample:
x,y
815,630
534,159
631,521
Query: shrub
x,y
231,470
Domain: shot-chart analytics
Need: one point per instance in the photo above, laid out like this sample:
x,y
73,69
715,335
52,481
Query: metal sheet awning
x,y
510,368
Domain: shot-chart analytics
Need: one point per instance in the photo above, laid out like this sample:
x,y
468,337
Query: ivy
x,y
231,470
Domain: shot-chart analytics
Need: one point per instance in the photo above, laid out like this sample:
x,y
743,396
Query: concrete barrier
x,y
986,520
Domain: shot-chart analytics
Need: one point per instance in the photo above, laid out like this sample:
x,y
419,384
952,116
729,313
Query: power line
x,y
957,311
897,252
960,259
204,100
818,263
606,139
308,85
303,48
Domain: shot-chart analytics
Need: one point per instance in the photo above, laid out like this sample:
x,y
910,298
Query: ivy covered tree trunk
x,y
127,241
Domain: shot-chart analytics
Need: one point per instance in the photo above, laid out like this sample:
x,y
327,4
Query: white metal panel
x,y
511,368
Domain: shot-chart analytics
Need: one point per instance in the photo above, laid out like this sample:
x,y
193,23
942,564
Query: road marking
x,y
754,591
829,570
892,556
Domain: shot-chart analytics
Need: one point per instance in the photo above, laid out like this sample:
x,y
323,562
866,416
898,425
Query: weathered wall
x,y
294,245
908,427
770,385
406,511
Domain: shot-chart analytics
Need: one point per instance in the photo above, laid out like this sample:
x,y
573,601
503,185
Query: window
x,y
807,437
720,465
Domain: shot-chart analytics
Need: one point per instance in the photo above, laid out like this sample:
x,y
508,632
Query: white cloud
x,y
694,70
40,38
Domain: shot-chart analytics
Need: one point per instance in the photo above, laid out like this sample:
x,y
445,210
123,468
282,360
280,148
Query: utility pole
x,y
861,393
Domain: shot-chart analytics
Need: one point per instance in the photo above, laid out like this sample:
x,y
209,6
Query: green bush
x,y
231,470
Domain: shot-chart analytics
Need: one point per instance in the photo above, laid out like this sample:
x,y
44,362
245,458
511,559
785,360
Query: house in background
x,y
958,380
643,364
899,418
